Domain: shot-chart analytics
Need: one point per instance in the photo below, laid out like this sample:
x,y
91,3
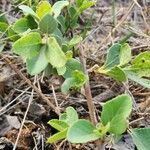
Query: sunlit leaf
x,y
54,54
28,46
117,73
58,6
125,54
116,112
141,64
58,136
3,26
23,24
43,8
85,5
27,10
58,124
82,131
72,115
37,64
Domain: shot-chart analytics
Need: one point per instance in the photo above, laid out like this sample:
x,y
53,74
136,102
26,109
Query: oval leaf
x,y
117,73
67,85
82,131
71,66
58,124
28,46
113,56
58,6
23,24
117,110
37,64
54,54
77,80
72,115
141,64
125,54
85,5
58,136
27,10
48,24
43,8
141,138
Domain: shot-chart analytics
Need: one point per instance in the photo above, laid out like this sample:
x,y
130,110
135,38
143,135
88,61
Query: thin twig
x,y
142,13
55,98
23,121
6,106
88,94
119,24
21,75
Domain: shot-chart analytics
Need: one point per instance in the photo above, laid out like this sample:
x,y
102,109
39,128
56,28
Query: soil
x,y
15,93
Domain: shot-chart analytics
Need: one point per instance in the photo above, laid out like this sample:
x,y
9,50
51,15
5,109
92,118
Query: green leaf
x,y
141,138
117,110
3,17
48,24
79,2
79,77
54,54
82,131
49,70
63,117
72,115
85,5
101,130
118,125
61,70
23,24
134,77
61,20
113,56
71,66
67,85
77,80
38,63
58,124
27,10
58,6
125,54
75,40
12,35
58,136
117,73
3,26
141,64
43,8
28,46
74,15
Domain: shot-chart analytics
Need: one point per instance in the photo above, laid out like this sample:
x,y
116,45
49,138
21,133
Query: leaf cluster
x,y
113,121
41,38
120,65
